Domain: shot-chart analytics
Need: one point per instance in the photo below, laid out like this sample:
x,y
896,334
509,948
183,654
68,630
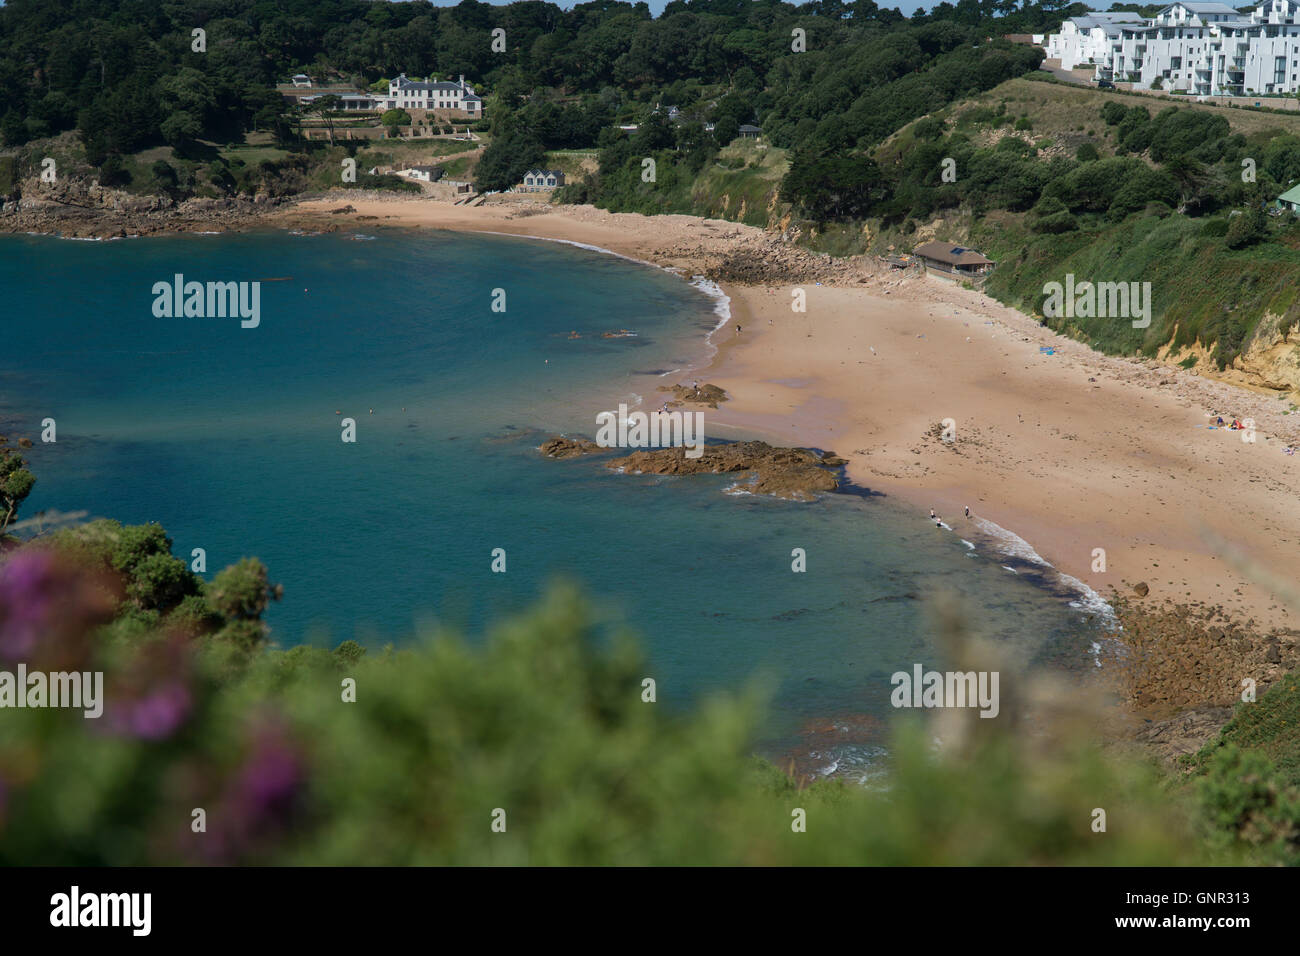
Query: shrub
x,y
1112,112
1247,228
543,720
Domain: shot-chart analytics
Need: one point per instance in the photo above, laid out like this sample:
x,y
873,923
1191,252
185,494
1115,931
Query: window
x,y
1279,69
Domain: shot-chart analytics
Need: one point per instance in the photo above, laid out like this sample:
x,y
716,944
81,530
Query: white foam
x,y
1092,602
1012,545
721,302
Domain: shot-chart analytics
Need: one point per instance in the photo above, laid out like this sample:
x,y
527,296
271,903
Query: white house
x,y
301,79
412,95
451,98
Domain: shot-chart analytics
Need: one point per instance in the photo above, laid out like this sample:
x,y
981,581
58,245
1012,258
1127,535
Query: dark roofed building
x,y
950,260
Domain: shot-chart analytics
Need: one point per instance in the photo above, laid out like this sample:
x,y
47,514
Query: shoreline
x,y
766,372
1068,451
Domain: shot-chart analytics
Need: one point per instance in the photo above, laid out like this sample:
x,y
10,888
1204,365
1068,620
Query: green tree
x,y
324,107
15,485
833,187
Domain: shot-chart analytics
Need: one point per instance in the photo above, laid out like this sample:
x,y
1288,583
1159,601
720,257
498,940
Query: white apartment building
x,y
1088,40
1209,49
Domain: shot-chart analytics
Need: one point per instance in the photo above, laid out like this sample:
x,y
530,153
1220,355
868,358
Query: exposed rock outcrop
x,y
706,394
795,473
561,447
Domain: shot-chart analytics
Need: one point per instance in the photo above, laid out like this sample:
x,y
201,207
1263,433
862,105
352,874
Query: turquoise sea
x,y
230,438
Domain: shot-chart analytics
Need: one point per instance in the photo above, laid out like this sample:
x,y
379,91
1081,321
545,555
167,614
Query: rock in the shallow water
x,y
705,394
794,473
562,447
1141,589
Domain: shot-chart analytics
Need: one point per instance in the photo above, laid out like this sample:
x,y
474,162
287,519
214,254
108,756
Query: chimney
x,y
462,81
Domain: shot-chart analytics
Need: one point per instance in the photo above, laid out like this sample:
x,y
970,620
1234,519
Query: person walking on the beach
x,y
932,514
968,512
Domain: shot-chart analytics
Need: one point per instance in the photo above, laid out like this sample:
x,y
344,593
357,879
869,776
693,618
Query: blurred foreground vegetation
x,y
540,725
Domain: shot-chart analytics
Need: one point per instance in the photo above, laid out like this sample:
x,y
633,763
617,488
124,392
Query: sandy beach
x,y
1072,451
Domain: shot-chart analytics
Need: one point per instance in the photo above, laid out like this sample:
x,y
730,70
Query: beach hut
x,y
946,259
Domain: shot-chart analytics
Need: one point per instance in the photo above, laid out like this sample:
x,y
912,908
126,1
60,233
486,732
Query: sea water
x,y
230,437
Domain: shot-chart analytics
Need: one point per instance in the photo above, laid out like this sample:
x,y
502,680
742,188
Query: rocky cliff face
x,y
80,207
1271,360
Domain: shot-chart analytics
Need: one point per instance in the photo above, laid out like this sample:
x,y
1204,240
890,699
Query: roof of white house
x,y
544,172
440,87
1110,23
1192,6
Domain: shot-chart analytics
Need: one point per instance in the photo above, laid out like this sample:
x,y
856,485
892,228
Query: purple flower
x,y
154,715
260,800
268,783
27,601
48,608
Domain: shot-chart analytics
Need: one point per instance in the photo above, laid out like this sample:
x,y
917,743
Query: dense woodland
x,y
124,75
